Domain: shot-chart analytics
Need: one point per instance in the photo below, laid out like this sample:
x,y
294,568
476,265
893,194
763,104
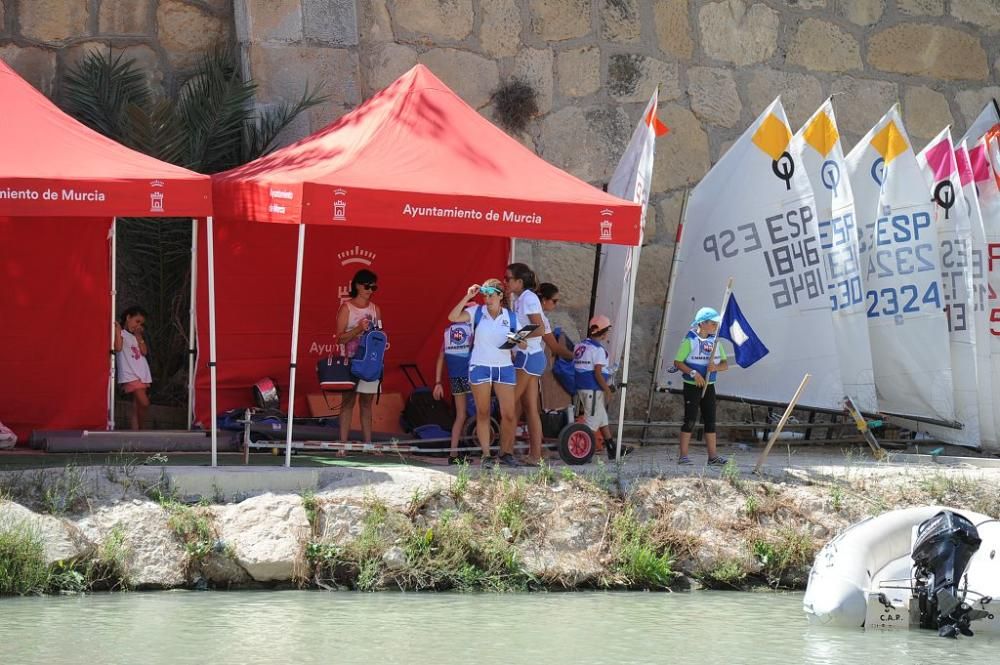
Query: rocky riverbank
x,y
82,528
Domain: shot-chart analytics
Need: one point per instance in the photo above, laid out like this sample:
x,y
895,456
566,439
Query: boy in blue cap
x,y
693,360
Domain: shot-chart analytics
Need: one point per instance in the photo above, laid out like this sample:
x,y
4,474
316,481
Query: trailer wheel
x,y
576,444
469,438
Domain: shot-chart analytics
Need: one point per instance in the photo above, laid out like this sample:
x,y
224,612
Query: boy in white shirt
x,y
593,393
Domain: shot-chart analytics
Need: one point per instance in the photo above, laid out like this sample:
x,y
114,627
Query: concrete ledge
x,y
235,483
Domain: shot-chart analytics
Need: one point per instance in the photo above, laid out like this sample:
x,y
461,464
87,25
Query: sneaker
x,y
684,460
508,460
611,448
718,460
487,462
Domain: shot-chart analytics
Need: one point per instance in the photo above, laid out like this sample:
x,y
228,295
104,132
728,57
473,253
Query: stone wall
x,y
593,63
41,38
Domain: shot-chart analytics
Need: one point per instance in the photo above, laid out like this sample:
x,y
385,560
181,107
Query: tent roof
x,y
417,157
51,165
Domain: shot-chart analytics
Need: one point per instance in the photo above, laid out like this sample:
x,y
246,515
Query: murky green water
x,y
294,627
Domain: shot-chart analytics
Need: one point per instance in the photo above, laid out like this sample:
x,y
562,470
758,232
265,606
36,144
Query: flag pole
x,y
633,269
715,342
663,315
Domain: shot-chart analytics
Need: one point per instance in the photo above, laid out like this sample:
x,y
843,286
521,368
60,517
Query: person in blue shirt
x,y
593,392
692,359
454,355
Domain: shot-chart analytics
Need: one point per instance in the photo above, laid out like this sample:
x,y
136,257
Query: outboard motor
x,y
944,545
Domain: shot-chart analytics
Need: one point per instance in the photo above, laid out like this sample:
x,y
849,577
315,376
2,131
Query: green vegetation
x,y
22,560
638,561
193,525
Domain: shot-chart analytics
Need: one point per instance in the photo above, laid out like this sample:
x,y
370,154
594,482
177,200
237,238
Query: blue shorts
x,y
532,363
479,374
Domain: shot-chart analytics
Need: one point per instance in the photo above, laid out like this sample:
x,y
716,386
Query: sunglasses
x,y
370,287
490,290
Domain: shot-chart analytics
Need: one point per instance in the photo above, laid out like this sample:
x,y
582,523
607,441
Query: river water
x,y
301,627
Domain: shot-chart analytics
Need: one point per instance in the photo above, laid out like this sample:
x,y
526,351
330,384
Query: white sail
x,y
817,145
985,157
901,269
630,181
954,227
981,311
753,217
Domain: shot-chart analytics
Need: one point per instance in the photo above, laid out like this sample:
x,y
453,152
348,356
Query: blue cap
x,y
706,314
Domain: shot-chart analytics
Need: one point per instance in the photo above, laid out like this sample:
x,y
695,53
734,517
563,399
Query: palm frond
x,y
100,90
262,132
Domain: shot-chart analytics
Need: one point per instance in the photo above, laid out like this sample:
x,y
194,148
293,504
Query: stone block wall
x,y
41,38
593,63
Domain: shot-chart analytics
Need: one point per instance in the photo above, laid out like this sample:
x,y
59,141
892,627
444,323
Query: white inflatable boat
x,y
890,571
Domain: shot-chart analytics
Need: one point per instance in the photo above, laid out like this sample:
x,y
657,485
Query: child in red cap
x,y
593,393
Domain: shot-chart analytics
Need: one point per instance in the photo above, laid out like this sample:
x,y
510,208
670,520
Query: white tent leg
x,y
633,268
114,305
209,235
295,343
192,315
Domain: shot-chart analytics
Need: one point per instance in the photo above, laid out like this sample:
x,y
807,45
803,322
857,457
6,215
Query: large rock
x,y
933,51
971,102
126,17
557,20
332,22
925,112
654,273
980,13
340,523
154,556
384,62
267,534
732,32
570,266
61,539
632,78
439,20
620,20
283,72
35,65
374,22
864,102
586,142
472,76
673,28
579,71
923,7
500,30
714,97
534,66
269,20
567,546
823,46
861,12
668,217
186,32
801,94
684,150
53,20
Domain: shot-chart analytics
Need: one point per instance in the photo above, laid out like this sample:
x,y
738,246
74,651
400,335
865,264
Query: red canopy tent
x,y
61,187
413,160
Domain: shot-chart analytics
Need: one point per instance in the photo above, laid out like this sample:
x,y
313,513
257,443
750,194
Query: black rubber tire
x,y
577,444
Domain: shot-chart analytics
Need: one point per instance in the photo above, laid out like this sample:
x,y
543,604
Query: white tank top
x,y
354,316
132,365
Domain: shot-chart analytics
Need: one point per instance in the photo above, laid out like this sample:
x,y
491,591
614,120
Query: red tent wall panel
x,y
54,323
421,277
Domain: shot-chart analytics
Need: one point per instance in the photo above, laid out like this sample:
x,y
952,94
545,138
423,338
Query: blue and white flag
x,y
735,327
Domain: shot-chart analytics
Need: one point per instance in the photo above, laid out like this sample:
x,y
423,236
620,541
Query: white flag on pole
x,y
631,182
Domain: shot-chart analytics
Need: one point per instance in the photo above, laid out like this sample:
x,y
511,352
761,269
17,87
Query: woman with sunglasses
x,y
354,317
530,362
490,366
549,295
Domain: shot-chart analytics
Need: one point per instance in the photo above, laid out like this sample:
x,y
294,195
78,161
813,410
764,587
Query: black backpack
x,y
421,407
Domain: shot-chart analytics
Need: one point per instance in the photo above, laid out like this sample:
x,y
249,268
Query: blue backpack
x,y
369,360
564,371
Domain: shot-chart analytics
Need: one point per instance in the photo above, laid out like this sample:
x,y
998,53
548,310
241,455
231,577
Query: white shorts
x,y
590,405
367,387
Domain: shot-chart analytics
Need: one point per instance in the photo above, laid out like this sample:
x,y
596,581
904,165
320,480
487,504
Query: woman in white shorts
x,y
530,362
490,367
354,317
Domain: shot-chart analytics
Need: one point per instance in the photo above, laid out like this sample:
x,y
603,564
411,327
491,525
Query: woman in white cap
x,y
699,365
